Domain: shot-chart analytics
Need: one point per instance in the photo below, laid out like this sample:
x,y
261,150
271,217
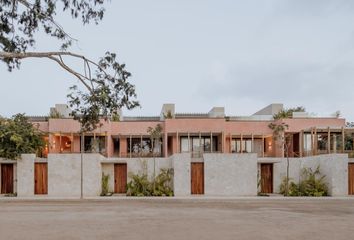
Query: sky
x,y
241,55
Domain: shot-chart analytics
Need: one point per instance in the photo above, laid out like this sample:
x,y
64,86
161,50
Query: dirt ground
x,y
178,219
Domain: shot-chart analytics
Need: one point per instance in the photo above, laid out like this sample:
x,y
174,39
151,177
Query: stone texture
x,y
230,174
334,166
25,175
182,174
64,175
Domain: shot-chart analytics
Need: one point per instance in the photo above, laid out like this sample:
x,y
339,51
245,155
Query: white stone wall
x,y
92,175
25,175
334,166
182,174
230,174
64,175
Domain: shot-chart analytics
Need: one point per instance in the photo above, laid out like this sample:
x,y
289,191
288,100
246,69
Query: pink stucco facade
x,y
186,133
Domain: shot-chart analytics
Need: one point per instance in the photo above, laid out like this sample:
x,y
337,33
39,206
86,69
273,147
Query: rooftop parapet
x,y
271,109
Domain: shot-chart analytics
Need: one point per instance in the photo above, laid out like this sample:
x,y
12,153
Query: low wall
x,y
224,174
182,174
64,175
334,166
135,166
230,174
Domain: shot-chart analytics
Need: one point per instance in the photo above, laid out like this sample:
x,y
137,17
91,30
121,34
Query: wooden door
x,y
267,178
40,178
120,178
351,178
7,178
197,178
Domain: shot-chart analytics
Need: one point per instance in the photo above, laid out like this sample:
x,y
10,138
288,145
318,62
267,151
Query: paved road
x,y
178,219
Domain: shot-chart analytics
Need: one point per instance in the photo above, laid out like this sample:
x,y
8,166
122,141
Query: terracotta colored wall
x,y
243,127
194,125
123,146
76,143
43,126
298,124
132,128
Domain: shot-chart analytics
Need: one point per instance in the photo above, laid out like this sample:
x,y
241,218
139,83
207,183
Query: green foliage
x,y
105,187
161,185
155,133
168,115
288,113
20,20
115,117
107,89
278,129
312,183
110,91
18,136
55,114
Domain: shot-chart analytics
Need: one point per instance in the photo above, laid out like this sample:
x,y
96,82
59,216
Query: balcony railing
x,y
139,155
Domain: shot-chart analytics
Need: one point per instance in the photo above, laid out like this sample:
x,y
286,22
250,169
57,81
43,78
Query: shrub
x,y
161,185
105,180
312,183
139,185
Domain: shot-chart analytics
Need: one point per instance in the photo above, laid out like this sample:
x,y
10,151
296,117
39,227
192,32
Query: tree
x,y
288,113
155,136
18,136
284,140
105,84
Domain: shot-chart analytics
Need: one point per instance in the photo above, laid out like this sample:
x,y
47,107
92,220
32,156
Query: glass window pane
x,y
184,144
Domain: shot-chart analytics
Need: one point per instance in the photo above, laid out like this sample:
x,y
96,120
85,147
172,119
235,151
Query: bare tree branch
x,y
57,57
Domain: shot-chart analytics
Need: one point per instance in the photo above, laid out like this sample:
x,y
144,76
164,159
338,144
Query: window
x,y
197,144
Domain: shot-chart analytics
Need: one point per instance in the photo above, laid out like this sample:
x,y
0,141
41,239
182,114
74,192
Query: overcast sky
x,y
242,55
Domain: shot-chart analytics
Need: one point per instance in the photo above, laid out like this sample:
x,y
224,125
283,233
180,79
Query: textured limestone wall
x,y
25,175
230,174
182,174
64,175
92,175
334,166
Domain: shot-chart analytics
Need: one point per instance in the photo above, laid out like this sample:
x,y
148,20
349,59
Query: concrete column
x,y
60,142
312,142
230,145
189,143
262,145
177,142
72,142
343,139
165,144
130,148
252,143
335,144
329,140
316,141
211,142
141,145
241,148
222,142
301,144
200,142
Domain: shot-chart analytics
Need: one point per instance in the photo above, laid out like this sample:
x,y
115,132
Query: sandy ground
x,y
197,218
